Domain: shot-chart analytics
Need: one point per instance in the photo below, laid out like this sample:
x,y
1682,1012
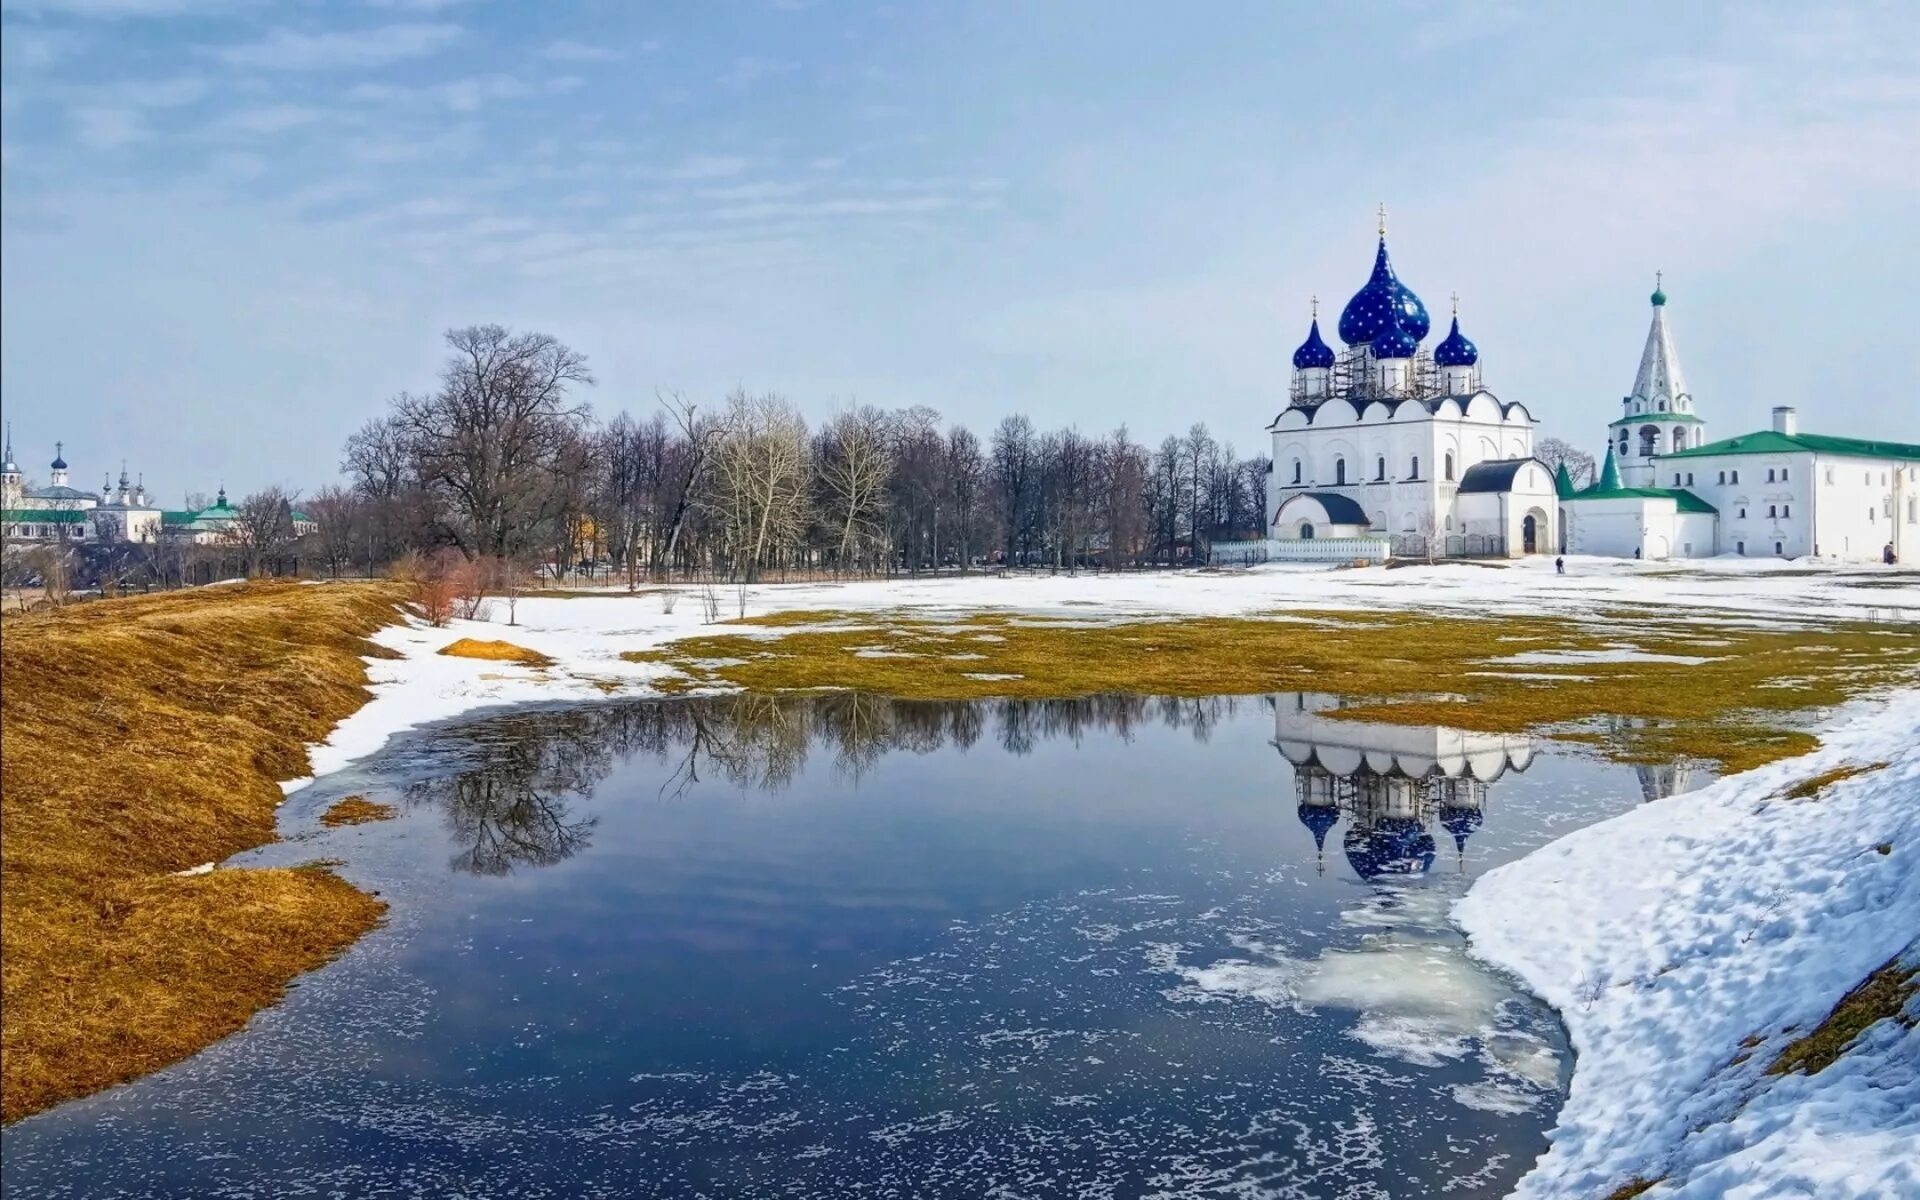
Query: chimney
x,y
1784,421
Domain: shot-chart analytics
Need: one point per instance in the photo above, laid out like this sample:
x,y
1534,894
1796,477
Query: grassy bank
x,y
1641,686
144,737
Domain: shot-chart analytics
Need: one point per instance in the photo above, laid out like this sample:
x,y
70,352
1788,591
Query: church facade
x,y
1664,490
1389,448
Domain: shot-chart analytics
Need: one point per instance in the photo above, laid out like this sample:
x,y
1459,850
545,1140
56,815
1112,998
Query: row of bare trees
x,y
505,461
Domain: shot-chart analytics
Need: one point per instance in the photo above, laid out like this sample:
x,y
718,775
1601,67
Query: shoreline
x,y
1688,943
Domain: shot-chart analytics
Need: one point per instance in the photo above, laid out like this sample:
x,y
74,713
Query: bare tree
x,y
855,465
1012,456
761,469
336,514
1553,451
261,530
488,437
701,438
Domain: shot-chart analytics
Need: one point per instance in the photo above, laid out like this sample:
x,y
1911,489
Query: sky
x,y
231,229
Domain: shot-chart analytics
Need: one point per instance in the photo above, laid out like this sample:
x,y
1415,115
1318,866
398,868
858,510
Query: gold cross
x,y
1383,218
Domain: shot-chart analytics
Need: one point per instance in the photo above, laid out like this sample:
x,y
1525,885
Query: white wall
x,y
1363,435
1802,503
1619,528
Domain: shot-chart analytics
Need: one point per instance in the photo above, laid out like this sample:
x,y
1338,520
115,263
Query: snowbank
x,y
1674,935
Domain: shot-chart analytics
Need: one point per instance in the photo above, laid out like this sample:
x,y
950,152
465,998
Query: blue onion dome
x,y
1393,340
1460,822
1455,350
1319,819
1394,846
1365,316
1313,352
59,461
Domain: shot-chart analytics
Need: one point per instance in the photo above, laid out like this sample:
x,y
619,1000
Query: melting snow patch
x,y
1677,933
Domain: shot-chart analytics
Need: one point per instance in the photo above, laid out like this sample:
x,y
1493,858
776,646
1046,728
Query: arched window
x,y
1382,467
1413,472
1679,439
1449,464
1339,471
1306,531
1649,441
1296,470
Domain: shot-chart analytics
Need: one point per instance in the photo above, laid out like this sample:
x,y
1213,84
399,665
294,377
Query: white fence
x,y
1369,549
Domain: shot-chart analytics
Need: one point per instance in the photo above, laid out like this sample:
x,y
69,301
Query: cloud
x,y
110,9
269,119
746,73
565,50
459,95
287,50
708,166
104,128
419,6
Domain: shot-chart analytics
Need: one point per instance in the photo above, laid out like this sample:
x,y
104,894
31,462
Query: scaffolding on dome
x,y
1353,377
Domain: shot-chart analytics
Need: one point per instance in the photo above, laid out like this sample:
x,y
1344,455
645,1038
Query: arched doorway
x,y
1533,532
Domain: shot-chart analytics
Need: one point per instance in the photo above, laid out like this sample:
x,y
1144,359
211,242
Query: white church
x,y
1665,491
1386,448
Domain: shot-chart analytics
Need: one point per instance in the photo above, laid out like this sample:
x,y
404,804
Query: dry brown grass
x,y
495,652
1881,996
1737,709
1634,1187
1812,786
355,810
145,736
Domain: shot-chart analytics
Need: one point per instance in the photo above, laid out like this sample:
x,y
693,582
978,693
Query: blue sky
x,y
231,229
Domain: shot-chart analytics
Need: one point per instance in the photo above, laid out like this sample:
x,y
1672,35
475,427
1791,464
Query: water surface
x,y
847,946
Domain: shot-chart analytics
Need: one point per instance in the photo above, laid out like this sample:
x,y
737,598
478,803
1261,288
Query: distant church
x,y
1387,448
1665,491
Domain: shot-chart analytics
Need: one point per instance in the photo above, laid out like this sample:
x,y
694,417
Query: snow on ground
x,y
585,635
1669,934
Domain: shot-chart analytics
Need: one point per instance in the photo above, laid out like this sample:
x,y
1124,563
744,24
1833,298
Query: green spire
x,y
1563,481
1609,476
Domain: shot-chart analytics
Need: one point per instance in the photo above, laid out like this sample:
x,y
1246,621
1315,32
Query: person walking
x,y
1559,566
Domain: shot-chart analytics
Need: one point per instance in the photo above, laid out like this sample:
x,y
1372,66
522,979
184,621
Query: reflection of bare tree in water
x,y
507,806
507,802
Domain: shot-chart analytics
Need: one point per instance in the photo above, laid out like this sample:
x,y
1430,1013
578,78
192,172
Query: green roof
x,y
176,516
1683,500
1654,418
1563,481
1769,442
48,516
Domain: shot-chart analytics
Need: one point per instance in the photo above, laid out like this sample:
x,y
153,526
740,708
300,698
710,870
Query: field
x,y
143,738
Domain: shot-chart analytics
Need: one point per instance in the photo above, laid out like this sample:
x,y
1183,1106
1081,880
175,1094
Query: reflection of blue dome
x,y
1313,352
1394,846
1394,341
1460,822
1455,351
1365,316
1319,818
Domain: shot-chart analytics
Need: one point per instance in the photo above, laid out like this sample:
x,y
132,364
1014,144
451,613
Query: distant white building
x,y
57,512
61,512
1665,491
1387,447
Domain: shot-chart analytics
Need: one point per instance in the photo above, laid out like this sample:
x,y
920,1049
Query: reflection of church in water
x,y
1393,784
